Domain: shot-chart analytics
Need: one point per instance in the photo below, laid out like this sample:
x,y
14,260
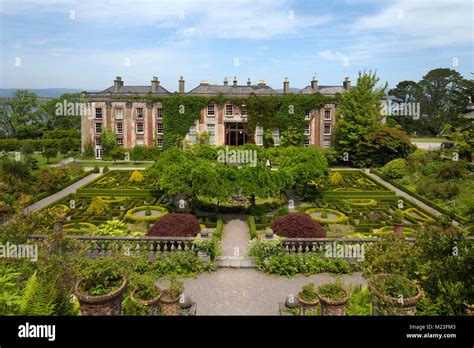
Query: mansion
x,y
141,123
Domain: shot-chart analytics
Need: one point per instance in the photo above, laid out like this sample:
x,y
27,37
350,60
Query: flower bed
x,y
139,213
334,216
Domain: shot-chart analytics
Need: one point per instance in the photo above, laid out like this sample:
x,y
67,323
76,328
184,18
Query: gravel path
x,y
236,237
230,291
63,193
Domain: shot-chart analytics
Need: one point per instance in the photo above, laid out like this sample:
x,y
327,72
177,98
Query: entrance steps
x,y
235,261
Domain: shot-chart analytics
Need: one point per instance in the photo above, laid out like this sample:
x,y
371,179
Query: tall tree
x,y
360,113
18,115
406,92
108,141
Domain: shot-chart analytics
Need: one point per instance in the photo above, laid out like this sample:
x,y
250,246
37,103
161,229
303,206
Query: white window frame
x,y
158,128
259,135
119,114
324,129
244,111
231,110
97,114
143,128
213,108
120,141
306,129
326,111
159,113
117,128
95,128
211,130
192,134
307,116
97,142
276,136
306,141
140,114
326,143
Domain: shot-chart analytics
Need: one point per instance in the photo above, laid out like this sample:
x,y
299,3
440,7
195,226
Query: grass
x,y
42,160
428,140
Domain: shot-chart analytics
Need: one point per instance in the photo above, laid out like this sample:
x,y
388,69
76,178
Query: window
x,y
306,129
211,130
119,114
159,142
119,128
139,112
327,114
259,133
306,116
327,129
159,113
228,110
139,128
159,128
98,128
119,141
192,135
98,113
97,142
306,142
244,110
276,137
326,143
210,111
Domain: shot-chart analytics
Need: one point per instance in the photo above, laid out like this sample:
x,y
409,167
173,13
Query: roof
x,y
231,90
134,89
324,90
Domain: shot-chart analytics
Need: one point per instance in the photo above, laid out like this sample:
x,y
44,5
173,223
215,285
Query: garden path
x,y
404,194
229,291
61,194
236,237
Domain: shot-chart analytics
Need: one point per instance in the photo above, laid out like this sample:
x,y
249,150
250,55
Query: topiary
x,y
136,177
105,170
396,169
98,207
297,225
175,225
96,169
336,178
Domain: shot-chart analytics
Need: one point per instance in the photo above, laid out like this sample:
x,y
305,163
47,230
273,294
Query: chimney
x,y
235,81
226,83
314,83
181,85
118,83
346,83
286,86
248,82
155,83
261,83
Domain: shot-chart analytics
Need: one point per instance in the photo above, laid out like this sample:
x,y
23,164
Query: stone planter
x,y
398,229
169,306
153,305
109,304
386,305
333,308
307,306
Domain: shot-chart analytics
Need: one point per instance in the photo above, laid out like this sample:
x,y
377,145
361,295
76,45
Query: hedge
x,y
252,227
37,144
118,192
419,197
129,215
341,219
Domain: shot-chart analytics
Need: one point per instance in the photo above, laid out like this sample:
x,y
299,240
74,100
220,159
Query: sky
x,y
84,44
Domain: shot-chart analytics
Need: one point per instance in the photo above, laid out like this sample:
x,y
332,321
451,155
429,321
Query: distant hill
x,y
41,92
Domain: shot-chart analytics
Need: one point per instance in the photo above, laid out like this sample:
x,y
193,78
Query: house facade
x,y
141,122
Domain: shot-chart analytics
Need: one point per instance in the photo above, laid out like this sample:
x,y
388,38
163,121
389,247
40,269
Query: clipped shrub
x,y
105,170
396,169
136,177
175,225
98,207
96,169
336,178
297,225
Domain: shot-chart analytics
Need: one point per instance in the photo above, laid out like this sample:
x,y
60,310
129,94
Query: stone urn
x,y
205,233
153,305
333,308
387,305
269,234
108,304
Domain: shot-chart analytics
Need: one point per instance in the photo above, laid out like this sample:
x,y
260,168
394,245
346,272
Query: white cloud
x,y
250,19
422,22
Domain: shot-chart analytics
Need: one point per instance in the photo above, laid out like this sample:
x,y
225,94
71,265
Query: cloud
x,y
422,22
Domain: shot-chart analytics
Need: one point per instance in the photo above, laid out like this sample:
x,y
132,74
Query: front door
x,y
235,133
98,152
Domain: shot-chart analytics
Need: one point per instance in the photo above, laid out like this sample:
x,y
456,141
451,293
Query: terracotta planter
x,y
169,306
153,305
398,229
109,304
307,306
387,305
333,308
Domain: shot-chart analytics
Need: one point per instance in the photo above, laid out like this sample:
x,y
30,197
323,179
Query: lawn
x,y
114,164
428,140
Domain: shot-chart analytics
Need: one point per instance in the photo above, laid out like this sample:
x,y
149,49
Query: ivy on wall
x,y
180,112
